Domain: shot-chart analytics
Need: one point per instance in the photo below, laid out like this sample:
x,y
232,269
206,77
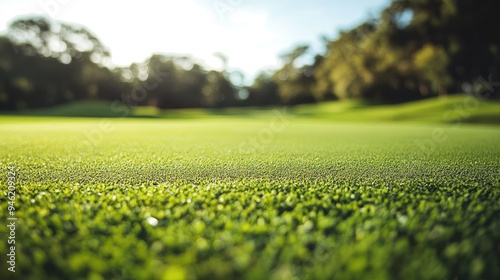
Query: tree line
x,y
412,50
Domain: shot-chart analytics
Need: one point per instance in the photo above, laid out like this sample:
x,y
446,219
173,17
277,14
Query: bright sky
x,y
252,33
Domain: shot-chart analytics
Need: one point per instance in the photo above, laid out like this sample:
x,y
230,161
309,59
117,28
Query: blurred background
x,y
162,55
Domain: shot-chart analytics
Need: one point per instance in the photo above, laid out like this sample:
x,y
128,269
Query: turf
x,y
90,108
452,109
273,197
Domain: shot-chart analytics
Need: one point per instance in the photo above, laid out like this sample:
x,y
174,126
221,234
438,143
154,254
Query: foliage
x,y
47,63
432,64
411,50
295,82
438,48
264,90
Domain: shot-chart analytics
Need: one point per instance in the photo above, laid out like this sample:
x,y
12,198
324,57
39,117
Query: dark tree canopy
x,y
411,50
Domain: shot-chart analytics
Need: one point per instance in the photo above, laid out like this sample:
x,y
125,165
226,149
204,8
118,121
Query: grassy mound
x,y
452,109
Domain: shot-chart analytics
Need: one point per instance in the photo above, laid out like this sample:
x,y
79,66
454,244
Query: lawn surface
x,y
451,109
272,197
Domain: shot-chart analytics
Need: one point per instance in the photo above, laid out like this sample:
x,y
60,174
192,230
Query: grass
x,y
455,108
77,109
461,108
251,198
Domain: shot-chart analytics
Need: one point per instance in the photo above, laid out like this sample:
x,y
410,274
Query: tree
x,y
415,49
49,63
219,89
295,82
432,64
343,71
263,91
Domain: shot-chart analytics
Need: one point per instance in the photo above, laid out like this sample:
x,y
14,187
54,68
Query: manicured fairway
x,y
270,197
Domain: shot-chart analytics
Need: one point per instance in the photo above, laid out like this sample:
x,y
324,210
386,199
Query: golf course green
x,y
278,194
